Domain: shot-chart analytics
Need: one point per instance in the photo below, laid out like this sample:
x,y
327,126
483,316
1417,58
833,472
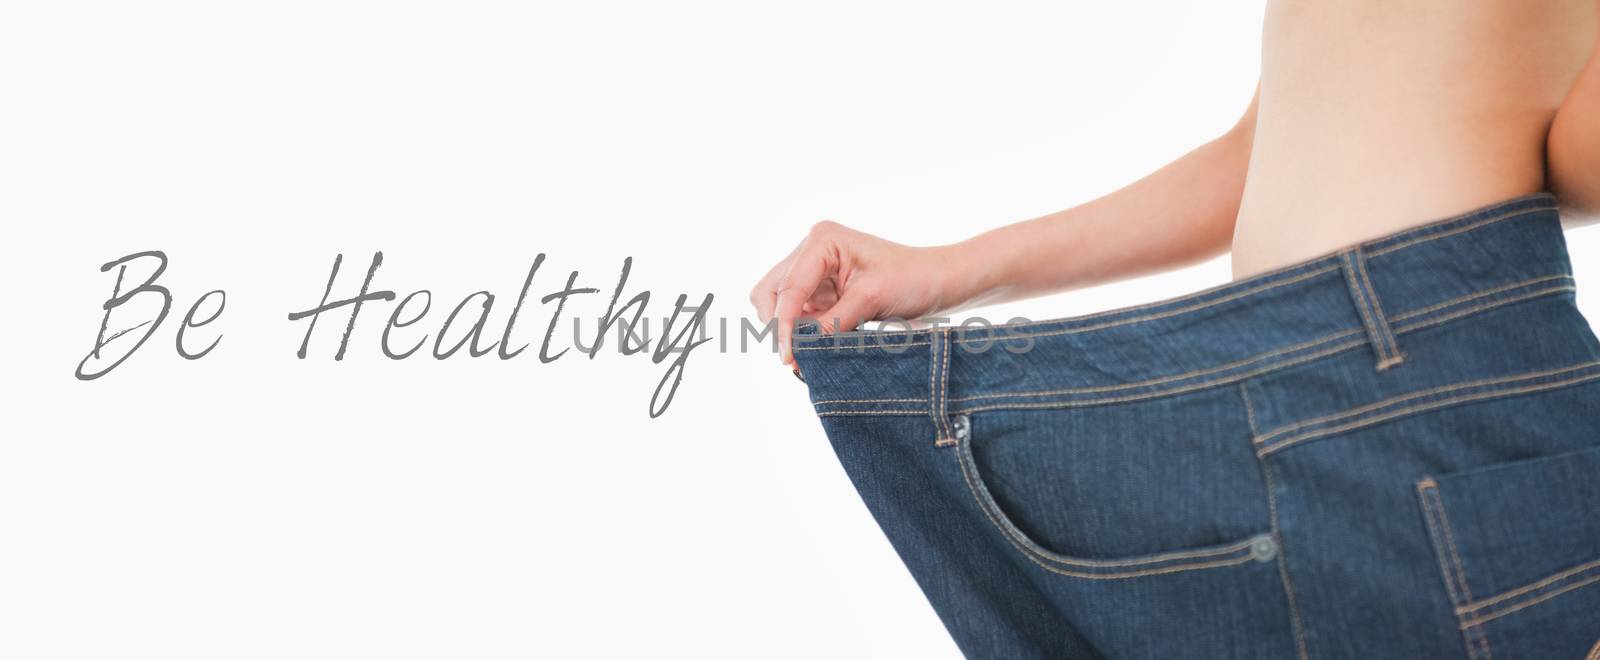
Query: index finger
x,y
805,274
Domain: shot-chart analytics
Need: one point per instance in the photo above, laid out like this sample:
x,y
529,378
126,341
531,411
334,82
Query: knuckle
x,y
826,228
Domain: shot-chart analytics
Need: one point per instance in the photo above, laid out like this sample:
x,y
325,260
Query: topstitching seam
x,y
1383,323
1576,570
1371,253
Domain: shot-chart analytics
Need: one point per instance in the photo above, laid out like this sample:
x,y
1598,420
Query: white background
x,y
252,505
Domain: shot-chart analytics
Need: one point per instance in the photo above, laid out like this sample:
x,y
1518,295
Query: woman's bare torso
x,y
1378,115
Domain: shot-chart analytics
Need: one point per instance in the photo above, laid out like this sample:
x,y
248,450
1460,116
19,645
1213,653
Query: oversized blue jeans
x,y
1390,452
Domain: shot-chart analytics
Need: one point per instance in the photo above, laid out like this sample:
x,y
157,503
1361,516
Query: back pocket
x,y
1518,546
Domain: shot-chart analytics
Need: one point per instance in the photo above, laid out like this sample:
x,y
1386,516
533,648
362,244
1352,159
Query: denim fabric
x,y
1391,452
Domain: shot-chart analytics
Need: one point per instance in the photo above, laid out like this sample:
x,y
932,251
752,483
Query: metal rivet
x,y
1264,548
960,425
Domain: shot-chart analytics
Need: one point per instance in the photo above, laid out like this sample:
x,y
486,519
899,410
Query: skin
x,y
1372,116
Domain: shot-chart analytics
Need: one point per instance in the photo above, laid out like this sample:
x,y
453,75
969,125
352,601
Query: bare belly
x,y
1377,115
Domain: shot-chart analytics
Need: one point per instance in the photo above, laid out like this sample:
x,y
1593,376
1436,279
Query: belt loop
x,y
938,378
1379,334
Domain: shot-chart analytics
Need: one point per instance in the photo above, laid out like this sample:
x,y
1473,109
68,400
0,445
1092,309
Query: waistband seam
x,y
1325,346
1261,284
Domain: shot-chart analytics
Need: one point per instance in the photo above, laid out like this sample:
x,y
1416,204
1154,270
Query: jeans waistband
x,y
1369,297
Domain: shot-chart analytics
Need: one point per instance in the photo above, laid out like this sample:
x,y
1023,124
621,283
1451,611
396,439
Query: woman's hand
x,y
843,278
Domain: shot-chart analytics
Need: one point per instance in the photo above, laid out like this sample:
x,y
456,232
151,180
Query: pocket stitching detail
x,y
1455,577
1263,438
1043,558
1425,407
1439,526
1529,603
1574,571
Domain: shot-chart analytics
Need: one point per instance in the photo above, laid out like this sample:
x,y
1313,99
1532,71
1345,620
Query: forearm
x,y
1181,214
1573,148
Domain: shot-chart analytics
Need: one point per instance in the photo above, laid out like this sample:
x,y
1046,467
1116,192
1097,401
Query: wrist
x,y
970,272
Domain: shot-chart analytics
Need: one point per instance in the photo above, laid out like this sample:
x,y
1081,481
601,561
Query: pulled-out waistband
x,y
1370,297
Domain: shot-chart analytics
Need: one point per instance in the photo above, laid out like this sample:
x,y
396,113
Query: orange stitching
x,y
1433,237
1434,519
1432,490
852,413
1179,390
933,410
1484,307
1166,379
1398,329
1032,555
1362,300
1077,574
944,383
1528,603
1438,543
1269,368
1492,394
1484,644
1270,482
1262,278
1481,294
818,403
1470,607
1407,315
1382,321
1281,351
1249,410
1461,571
1422,393
858,347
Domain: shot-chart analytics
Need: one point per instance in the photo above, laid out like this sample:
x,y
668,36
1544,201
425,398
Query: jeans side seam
x,y
1297,625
